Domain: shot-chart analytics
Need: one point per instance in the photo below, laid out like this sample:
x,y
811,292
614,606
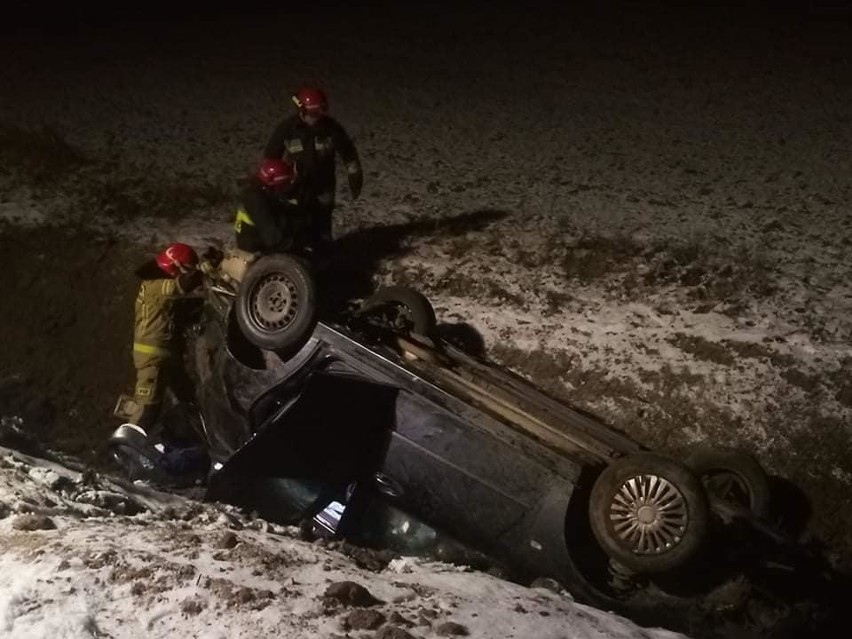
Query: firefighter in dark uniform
x,y
313,139
166,280
272,218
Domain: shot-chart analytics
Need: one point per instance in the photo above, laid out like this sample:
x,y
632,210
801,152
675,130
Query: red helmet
x,y
311,100
276,172
175,257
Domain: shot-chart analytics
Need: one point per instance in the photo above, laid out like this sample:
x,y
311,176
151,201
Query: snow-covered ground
x,y
82,557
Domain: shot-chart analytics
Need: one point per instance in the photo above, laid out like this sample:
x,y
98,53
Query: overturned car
x,y
369,427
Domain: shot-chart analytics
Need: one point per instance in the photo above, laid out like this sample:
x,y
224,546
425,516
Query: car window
x,y
278,499
333,433
380,524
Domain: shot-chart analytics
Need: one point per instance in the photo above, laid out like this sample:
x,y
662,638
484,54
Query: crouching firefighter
x,y
160,313
272,218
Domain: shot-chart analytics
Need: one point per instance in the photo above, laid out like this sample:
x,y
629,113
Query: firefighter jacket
x,y
313,149
270,222
154,329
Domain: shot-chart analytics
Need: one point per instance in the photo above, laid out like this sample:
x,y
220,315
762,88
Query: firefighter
x,y
166,280
272,218
312,139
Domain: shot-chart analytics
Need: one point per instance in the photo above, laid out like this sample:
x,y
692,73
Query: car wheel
x,y
648,512
404,309
276,303
733,477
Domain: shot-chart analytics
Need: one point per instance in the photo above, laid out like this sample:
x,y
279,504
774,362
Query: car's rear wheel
x,y
276,303
733,477
648,512
402,309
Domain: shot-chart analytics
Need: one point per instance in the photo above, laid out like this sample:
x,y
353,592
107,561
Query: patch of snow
x,y
164,572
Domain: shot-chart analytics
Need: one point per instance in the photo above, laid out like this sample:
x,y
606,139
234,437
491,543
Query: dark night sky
x,y
101,11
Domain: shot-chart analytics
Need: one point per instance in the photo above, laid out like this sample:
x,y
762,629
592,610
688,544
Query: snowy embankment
x,y
83,556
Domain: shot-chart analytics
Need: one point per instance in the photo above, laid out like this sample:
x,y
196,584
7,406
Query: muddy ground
x,y
67,299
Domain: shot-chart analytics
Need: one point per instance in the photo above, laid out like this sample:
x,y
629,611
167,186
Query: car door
x,y
333,434
457,477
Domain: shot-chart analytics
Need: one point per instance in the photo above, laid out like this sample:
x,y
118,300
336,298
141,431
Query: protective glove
x,y
213,255
190,280
356,181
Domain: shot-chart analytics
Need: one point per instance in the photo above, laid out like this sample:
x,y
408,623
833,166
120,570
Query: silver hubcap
x,y
275,302
649,514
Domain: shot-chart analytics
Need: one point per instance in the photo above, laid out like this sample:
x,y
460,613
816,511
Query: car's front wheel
x,y
402,309
648,512
276,303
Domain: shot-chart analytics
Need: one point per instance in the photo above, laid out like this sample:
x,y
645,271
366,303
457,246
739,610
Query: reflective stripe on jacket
x,y
242,218
147,349
264,222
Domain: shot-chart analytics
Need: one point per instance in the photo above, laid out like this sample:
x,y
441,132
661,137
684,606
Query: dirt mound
x,y
66,322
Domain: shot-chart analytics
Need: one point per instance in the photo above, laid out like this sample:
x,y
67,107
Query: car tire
x,y
414,307
733,476
649,512
276,303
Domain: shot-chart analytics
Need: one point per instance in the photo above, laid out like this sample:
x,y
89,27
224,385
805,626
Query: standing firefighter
x,y
312,139
166,280
272,218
